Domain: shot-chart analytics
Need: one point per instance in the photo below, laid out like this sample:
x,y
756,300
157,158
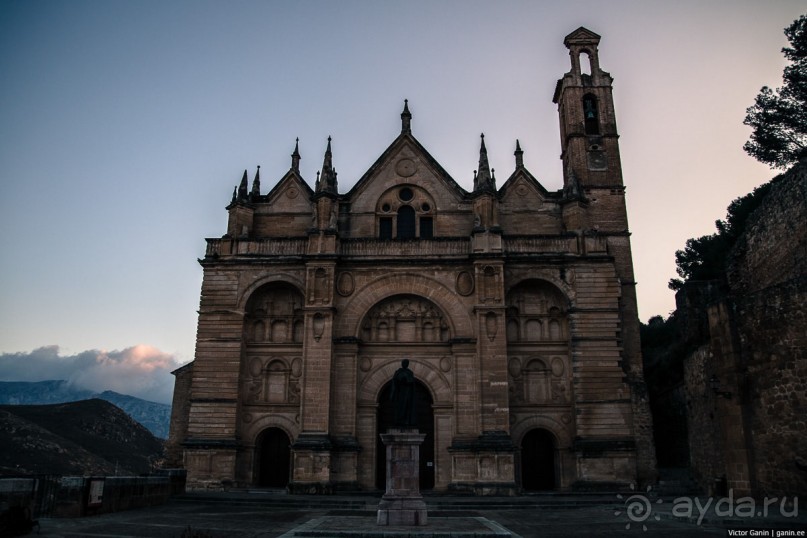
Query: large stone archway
x,y
428,372
424,417
349,321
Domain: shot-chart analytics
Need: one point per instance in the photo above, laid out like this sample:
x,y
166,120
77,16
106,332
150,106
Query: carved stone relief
x,y
405,318
538,380
491,325
319,286
345,284
274,315
445,364
465,283
491,285
405,167
536,312
272,380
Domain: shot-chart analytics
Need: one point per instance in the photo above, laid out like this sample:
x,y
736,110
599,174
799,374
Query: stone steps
x,y
365,501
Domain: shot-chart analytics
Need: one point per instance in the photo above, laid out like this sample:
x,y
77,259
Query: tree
x,y
704,258
779,117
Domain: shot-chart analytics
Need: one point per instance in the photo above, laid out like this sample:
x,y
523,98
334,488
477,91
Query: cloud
x,y
142,371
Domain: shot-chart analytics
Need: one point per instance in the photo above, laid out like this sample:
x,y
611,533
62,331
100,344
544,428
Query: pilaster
x,y
311,451
485,464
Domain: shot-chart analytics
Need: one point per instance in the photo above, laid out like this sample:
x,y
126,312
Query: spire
x,y
483,179
519,155
327,179
572,190
256,184
295,157
406,119
242,188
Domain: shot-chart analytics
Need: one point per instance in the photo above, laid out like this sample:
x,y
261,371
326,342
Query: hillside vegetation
x,y
89,437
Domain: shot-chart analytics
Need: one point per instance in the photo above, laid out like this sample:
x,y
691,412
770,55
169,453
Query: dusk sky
x,y
125,125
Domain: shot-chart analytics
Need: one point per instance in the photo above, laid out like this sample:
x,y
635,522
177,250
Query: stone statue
x,y
403,396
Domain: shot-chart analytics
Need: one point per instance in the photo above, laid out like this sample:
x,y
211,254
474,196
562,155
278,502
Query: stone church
x,y
515,306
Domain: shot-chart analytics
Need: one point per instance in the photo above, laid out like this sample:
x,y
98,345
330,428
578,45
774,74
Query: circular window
x,y
385,208
426,207
406,194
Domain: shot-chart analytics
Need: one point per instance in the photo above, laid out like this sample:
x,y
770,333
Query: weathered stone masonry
x,y
515,305
746,385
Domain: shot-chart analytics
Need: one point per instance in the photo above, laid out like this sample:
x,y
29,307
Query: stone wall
x,y
768,281
180,407
747,385
773,249
705,445
773,335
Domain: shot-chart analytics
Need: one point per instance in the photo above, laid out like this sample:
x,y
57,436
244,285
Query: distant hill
x,y
154,416
77,438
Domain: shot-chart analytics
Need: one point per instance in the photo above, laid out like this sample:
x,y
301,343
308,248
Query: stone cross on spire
x,y
327,179
295,157
519,155
483,179
406,119
256,184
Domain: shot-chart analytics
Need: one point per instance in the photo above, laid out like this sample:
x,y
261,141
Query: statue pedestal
x,y
402,503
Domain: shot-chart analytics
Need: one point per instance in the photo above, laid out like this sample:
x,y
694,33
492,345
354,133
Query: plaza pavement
x,y
258,514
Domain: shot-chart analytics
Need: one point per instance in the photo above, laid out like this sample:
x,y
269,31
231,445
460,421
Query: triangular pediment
x,y
581,36
521,184
404,162
292,191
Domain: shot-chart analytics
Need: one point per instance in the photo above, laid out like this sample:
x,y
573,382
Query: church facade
x,y
514,305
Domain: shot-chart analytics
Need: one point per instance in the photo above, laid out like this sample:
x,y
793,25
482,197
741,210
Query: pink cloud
x,y
142,370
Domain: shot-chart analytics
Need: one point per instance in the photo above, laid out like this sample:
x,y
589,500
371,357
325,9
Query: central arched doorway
x,y
425,424
273,456
538,460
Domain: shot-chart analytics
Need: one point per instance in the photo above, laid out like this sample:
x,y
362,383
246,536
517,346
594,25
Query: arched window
x,y
406,212
406,222
585,63
591,115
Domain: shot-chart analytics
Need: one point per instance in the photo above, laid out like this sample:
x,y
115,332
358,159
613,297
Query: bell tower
x,y
589,138
594,206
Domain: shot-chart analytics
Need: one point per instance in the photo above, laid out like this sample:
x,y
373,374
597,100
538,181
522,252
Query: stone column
x,y
402,504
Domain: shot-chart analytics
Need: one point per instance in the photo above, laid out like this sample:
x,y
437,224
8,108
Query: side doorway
x,y
538,461
425,424
273,458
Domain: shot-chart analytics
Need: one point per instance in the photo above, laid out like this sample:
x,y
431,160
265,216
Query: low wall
x,y
77,496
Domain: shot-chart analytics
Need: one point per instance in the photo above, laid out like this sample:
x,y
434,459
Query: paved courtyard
x,y
244,515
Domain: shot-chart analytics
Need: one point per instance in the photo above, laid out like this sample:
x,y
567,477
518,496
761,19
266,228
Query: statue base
x,y
402,503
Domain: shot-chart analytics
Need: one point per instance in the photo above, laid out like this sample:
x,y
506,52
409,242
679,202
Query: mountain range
x,y
88,437
156,417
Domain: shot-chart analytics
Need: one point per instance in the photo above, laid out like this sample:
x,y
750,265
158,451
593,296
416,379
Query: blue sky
x,y
125,125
